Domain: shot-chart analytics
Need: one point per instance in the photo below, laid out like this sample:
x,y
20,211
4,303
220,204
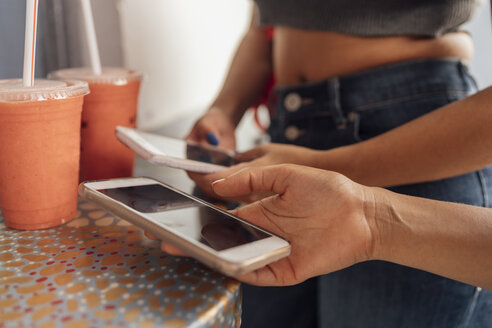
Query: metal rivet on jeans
x,y
292,133
341,126
352,117
292,102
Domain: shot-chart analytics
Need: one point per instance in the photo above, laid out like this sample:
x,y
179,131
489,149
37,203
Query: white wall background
x,y
481,30
107,23
184,47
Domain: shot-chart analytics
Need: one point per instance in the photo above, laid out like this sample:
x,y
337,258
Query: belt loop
x,y
465,74
334,103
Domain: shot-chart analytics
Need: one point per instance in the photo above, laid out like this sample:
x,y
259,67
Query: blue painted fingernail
x,y
212,139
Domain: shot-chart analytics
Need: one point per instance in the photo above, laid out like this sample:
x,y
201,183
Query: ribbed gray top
x,y
370,17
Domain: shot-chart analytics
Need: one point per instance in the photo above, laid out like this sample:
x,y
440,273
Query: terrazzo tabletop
x,y
100,271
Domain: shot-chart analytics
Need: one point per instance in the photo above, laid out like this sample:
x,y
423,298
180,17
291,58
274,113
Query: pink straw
x,y
30,42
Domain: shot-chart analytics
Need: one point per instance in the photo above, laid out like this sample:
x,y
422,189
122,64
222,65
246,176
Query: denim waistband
x,y
372,87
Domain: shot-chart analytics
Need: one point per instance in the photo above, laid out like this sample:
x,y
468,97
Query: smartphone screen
x,y
186,150
172,210
208,155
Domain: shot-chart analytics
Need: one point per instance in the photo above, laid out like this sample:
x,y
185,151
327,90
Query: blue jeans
x,y
345,110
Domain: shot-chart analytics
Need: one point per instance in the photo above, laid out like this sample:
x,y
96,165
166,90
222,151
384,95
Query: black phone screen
x,y
177,212
208,155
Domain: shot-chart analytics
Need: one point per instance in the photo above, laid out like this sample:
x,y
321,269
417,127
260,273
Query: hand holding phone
x,y
327,218
214,128
215,237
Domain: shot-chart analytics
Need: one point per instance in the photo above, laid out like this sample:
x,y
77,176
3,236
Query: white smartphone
x,y
213,236
176,153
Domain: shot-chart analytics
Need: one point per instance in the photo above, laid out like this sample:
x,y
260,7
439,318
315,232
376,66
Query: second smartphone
x,y
215,237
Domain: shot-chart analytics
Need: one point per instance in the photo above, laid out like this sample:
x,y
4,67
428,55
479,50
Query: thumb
x,y
254,179
255,213
204,133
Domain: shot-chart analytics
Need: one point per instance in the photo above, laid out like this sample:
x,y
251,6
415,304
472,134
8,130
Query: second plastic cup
x,y
112,101
39,152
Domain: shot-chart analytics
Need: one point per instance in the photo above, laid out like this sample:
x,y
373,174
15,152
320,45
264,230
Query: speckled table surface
x,y
100,271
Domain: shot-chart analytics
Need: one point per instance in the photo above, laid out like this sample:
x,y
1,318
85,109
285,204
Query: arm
x,y
333,223
246,80
452,140
448,239
249,72
449,141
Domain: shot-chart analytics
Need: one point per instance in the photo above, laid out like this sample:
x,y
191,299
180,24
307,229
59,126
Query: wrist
x,y
229,112
378,213
220,111
339,159
309,157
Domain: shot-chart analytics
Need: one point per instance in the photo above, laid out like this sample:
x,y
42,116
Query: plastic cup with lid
x,y
40,147
113,101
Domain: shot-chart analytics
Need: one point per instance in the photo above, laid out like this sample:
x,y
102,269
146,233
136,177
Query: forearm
x,y
248,75
448,239
450,141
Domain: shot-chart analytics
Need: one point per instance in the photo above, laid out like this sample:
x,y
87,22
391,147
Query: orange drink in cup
x,y
112,101
39,151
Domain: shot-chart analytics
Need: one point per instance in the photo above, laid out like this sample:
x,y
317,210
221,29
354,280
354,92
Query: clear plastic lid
x,y
109,75
14,90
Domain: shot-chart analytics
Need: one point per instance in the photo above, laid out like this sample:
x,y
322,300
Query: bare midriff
x,y
304,56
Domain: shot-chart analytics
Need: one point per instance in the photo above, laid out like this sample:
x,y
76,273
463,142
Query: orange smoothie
x,y
39,162
112,101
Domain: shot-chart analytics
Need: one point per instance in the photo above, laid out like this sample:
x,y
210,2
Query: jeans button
x,y
293,102
292,133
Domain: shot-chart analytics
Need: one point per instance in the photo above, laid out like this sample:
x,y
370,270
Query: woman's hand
x,y
214,122
333,222
268,154
326,217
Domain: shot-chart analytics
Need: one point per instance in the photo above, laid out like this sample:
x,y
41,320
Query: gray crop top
x,y
370,17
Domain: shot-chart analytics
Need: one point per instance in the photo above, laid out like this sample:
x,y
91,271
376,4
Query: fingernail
x,y
212,139
217,181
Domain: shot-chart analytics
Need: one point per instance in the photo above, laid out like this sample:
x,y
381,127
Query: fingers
x,y
256,214
205,134
171,250
250,154
279,273
168,248
260,277
151,237
254,179
212,139
213,128
204,181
